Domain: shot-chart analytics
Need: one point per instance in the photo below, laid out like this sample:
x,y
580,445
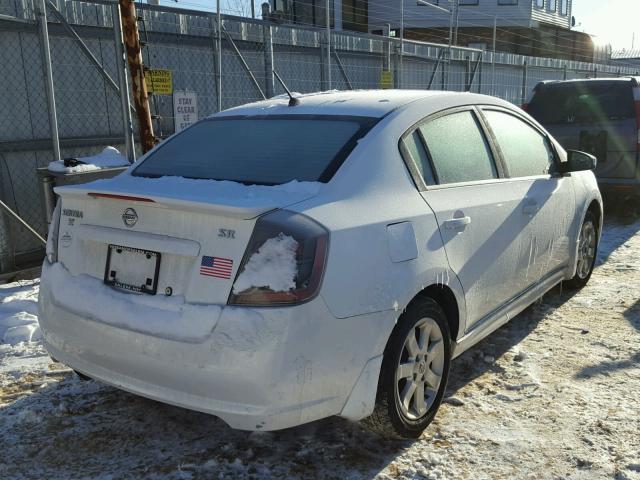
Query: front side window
x,y
264,150
458,149
525,150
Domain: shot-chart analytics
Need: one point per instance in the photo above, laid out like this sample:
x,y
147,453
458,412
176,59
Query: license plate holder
x,y
132,269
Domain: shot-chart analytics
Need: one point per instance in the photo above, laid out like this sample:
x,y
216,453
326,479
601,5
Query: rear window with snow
x,y
582,102
267,150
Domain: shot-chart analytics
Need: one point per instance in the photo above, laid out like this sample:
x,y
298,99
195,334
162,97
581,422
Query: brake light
x,y
636,99
119,197
524,106
284,261
51,249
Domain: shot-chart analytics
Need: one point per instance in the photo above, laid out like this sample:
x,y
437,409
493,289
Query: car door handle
x,y
457,223
530,208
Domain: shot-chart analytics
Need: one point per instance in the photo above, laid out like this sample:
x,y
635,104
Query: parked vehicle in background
x,y
599,116
282,262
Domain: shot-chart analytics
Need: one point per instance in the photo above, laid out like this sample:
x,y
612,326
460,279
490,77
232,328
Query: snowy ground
x,y
553,394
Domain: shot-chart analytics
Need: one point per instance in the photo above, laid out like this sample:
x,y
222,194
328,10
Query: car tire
x,y
587,252
413,363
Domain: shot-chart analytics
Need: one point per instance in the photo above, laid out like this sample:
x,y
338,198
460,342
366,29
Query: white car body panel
x,y
267,368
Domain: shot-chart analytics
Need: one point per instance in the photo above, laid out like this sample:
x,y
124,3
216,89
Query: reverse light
x,y
51,248
310,258
636,99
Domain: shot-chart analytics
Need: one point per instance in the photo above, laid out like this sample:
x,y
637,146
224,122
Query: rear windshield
x,y
267,150
582,103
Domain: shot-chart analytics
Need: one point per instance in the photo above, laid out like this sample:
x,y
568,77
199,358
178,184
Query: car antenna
x,y
293,101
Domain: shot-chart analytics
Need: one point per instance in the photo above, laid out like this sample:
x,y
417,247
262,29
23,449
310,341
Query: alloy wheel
x,y
586,249
420,369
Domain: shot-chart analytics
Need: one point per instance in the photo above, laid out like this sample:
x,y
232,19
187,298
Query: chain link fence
x,y
225,66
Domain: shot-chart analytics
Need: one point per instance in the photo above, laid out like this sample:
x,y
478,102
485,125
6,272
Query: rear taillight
x,y
284,261
525,105
51,249
636,99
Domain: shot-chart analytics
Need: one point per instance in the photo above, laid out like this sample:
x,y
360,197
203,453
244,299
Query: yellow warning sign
x,y
386,79
159,81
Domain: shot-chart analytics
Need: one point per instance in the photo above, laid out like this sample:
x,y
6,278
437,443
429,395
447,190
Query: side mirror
x,y
578,162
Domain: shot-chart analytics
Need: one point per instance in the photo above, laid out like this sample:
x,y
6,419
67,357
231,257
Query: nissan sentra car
x,y
286,261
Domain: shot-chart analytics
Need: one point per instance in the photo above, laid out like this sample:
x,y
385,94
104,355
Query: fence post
x,y
328,52
525,71
480,68
467,73
123,84
48,78
267,39
323,63
397,66
219,59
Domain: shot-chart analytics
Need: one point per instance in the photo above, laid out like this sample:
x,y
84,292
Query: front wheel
x,y
587,250
415,370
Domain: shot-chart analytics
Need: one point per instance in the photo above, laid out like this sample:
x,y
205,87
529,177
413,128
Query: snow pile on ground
x,y
273,266
159,315
19,313
110,157
552,394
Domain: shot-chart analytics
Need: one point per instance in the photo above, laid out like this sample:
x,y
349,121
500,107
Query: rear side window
x,y
525,150
415,147
265,150
582,103
458,149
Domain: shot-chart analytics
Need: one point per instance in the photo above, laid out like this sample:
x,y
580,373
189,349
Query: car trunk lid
x,y
167,236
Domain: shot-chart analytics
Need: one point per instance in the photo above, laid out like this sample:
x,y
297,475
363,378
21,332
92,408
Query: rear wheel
x,y
414,374
587,250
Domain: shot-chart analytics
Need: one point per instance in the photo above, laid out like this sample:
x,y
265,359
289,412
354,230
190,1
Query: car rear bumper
x,y
260,369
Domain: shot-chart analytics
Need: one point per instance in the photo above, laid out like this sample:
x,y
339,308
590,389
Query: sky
x,y
610,21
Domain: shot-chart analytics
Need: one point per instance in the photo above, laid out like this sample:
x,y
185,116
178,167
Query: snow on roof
x,y
368,103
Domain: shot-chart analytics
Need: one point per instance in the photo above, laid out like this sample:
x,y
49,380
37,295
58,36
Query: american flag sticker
x,y
216,267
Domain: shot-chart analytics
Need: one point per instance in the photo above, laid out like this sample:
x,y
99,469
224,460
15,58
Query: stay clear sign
x,y
185,109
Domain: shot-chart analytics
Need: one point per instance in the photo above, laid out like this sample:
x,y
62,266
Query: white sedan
x,y
281,262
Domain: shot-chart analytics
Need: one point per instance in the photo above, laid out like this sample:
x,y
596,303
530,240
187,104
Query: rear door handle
x,y
530,208
457,223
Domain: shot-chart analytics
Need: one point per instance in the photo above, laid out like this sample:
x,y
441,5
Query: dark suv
x,y
599,116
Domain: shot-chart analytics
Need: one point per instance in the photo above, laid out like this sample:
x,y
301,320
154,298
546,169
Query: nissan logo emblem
x,y
129,217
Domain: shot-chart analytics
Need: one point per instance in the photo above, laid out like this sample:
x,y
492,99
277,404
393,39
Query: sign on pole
x,y
159,81
386,79
185,109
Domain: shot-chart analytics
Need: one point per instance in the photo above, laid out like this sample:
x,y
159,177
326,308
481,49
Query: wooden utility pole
x,y
134,58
